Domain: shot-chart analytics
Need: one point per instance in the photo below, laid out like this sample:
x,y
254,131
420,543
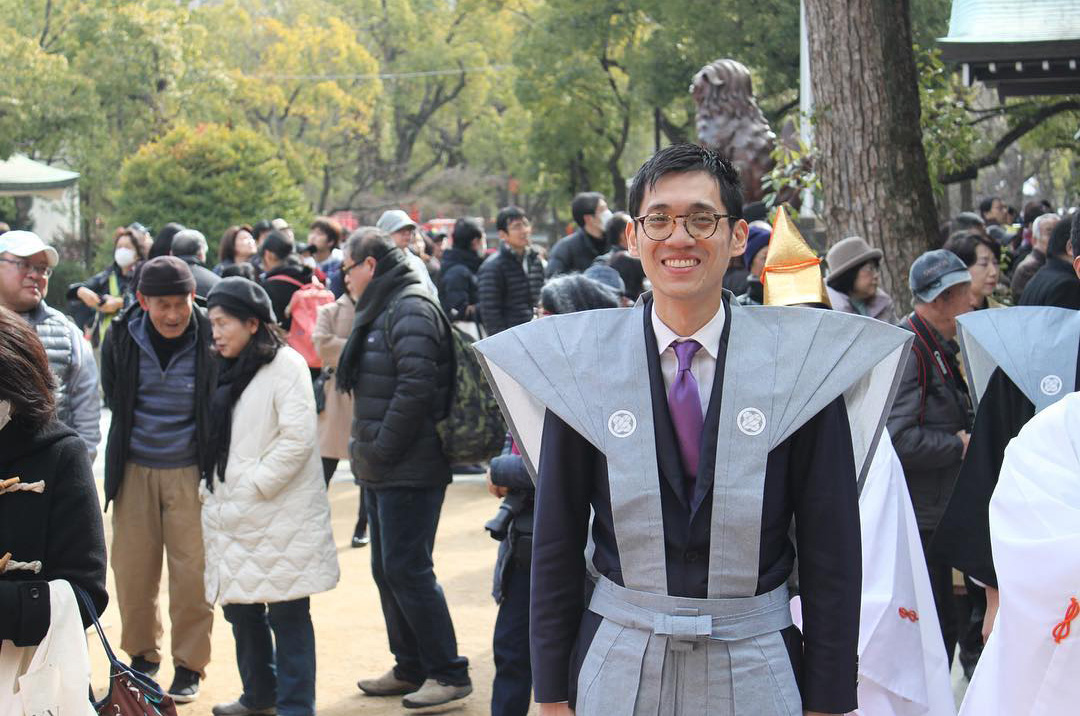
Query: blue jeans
x,y
283,676
511,693
402,524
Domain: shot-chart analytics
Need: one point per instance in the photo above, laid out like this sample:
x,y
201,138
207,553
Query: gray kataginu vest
x,y
653,653
55,331
1035,346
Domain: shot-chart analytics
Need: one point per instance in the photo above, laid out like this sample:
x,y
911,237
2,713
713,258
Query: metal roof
x,y
1013,21
20,176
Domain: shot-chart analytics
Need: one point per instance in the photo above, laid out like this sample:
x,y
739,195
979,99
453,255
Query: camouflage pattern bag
x,y
473,429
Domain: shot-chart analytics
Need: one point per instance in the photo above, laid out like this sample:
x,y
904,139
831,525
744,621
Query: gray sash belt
x,y
656,655
686,621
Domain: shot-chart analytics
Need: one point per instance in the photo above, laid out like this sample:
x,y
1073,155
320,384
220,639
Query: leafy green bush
x,y
208,178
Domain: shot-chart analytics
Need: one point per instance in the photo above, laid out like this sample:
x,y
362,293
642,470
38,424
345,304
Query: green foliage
x,y
208,177
950,139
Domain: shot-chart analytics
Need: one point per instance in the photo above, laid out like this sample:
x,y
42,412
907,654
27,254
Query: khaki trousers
x,y
156,510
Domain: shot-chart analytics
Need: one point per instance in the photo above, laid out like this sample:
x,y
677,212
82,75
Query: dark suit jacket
x,y
810,477
1055,284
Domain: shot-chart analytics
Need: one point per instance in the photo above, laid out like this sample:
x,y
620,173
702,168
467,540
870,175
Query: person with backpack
x,y
295,294
932,416
398,364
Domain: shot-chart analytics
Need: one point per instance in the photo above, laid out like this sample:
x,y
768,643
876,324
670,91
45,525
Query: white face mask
x,y
124,257
5,413
605,217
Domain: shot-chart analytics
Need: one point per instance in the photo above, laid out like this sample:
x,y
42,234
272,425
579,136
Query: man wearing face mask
x,y
576,252
26,263
157,374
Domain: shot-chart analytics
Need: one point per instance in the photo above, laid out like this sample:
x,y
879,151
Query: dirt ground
x,y
350,635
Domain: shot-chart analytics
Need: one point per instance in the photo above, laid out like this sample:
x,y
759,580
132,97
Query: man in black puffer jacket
x,y
510,279
398,365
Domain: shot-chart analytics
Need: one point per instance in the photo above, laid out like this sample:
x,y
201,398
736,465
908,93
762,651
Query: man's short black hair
x,y
368,241
1062,236
465,232
585,204
507,215
684,158
987,204
278,244
1075,233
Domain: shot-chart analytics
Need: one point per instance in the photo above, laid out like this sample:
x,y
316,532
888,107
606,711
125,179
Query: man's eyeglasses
x,y
25,267
700,225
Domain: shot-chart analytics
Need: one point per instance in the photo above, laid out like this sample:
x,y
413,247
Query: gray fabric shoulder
x,y
1036,347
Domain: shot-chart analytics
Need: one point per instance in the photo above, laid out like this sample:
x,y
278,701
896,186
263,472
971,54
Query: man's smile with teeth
x,y
681,263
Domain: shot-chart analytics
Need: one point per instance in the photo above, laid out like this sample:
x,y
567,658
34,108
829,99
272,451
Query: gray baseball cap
x,y
935,271
394,220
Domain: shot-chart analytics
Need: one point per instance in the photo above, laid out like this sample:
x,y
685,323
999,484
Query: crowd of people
x,y
236,391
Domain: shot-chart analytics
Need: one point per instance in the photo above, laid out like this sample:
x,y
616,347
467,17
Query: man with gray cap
x,y
158,376
931,418
401,228
26,263
190,247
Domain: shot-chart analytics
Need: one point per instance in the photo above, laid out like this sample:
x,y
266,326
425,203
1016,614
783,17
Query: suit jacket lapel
x,y
711,429
667,451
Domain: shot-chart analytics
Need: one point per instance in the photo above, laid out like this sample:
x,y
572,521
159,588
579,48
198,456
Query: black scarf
x,y
234,374
392,274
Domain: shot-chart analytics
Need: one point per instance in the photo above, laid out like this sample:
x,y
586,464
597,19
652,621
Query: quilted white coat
x,y
266,528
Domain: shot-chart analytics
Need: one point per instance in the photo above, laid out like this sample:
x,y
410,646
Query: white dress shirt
x,y
703,367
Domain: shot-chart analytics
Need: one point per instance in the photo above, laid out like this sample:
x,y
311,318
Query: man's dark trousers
x,y
511,693
402,523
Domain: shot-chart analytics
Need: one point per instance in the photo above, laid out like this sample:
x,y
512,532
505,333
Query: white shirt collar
x,y
708,335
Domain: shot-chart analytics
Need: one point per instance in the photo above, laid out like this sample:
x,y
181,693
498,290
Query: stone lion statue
x,y
729,120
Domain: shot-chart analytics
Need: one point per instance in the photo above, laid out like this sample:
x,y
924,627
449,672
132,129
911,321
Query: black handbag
x,y
319,385
131,693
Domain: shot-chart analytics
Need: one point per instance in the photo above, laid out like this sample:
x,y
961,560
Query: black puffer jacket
x,y
60,527
507,294
925,420
574,253
400,365
120,381
457,282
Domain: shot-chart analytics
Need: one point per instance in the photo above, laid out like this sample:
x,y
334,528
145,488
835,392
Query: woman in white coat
x,y
266,518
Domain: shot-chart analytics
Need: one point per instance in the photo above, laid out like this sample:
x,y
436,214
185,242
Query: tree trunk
x,y
873,169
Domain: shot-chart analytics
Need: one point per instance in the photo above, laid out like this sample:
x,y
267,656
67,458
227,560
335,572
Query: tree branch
x,y
1017,131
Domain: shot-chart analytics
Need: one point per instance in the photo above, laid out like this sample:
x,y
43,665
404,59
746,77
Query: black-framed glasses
x,y
25,267
700,225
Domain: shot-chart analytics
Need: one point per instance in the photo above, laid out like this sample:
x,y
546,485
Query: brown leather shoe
x,y
387,685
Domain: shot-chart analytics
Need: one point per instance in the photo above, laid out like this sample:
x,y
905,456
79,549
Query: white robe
x,y
1035,536
903,670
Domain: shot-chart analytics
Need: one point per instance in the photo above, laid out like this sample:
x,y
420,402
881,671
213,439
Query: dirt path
x,y
350,635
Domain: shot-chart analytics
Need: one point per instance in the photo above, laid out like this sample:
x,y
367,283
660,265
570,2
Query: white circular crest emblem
x,y
751,421
622,423
1051,385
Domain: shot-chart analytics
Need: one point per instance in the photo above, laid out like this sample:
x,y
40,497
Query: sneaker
x,y
360,540
435,693
185,686
145,666
387,685
235,708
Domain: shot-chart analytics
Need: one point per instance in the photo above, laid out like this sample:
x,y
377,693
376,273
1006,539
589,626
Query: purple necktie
x,y
684,403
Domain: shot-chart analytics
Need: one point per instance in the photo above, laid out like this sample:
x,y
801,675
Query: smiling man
x,y
694,431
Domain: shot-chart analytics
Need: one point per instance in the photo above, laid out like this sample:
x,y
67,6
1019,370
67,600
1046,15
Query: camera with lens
x,y
512,505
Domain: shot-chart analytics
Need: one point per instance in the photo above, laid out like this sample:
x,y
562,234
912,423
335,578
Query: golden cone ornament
x,y
792,273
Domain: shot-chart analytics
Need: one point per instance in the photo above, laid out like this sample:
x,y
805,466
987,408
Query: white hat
x,y
27,243
394,220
